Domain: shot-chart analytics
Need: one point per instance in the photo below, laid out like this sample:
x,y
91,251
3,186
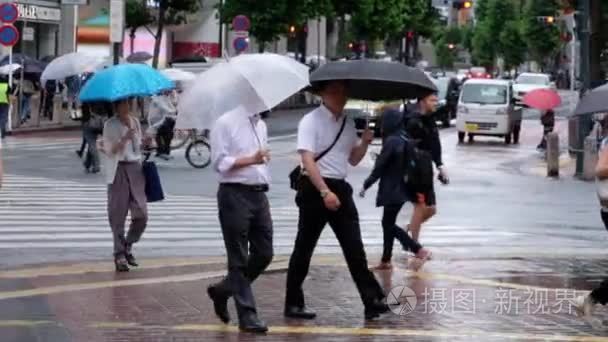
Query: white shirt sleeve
x,y
351,133
111,136
307,135
220,148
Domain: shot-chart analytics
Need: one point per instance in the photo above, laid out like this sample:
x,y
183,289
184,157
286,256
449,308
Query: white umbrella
x,y
178,75
256,82
7,69
70,64
107,62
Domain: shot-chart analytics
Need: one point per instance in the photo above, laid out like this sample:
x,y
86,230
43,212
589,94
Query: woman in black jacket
x,y
391,169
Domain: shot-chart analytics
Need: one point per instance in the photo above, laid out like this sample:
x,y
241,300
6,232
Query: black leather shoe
x,y
131,260
121,264
251,323
375,309
220,304
297,312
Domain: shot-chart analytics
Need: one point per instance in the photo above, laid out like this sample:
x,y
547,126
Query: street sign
x,y
9,35
117,20
8,13
240,44
28,34
241,23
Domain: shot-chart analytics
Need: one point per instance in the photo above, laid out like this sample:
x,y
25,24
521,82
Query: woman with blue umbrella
x,y
122,140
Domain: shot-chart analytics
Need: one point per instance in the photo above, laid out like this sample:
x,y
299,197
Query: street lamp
x,y
467,4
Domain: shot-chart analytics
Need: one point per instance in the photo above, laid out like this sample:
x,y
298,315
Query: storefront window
x,y
45,42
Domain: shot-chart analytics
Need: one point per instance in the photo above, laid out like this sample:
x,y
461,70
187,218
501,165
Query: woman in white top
x,y
122,139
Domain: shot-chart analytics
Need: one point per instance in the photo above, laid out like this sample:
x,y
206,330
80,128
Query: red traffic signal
x,y
409,35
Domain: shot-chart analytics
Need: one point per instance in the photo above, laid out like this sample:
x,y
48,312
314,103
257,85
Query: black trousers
x,y
164,135
345,224
600,294
247,229
391,232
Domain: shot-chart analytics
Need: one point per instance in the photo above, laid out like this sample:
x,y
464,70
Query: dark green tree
x,y
170,12
377,19
512,45
484,46
269,20
137,15
543,39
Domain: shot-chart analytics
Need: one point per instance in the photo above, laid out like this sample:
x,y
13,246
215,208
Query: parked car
x,y
486,108
366,113
478,72
448,93
462,75
526,82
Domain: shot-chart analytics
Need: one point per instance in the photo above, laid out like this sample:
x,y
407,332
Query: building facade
x,y
46,28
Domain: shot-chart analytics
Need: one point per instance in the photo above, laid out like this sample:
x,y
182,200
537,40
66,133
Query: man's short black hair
x,y
425,95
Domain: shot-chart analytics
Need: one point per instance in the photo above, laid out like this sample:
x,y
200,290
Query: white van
x,y
486,108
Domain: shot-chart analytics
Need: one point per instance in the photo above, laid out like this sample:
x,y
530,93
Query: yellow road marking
x,y
121,283
332,330
107,266
22,323
325,330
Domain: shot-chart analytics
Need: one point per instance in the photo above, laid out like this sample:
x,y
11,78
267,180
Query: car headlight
x,y
501,111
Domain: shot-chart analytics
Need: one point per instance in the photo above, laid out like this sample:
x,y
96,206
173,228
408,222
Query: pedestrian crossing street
x,y
37,213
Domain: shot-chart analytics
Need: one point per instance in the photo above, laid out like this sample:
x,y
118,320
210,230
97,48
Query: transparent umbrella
x,y
255,82
7,69
70,64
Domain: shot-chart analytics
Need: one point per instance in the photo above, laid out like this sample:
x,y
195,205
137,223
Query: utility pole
x,y
117,27
584,122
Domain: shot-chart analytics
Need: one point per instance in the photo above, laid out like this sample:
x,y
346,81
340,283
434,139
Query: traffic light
x,y
451,46
292,29
462,4
409,35
549,20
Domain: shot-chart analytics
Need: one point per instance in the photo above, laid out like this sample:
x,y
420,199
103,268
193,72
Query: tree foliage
x,y
137,15
512,45
484,46
377,19
543,40
268,17
141,13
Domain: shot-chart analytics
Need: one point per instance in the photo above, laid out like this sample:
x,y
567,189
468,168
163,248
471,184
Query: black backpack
x,y
419,169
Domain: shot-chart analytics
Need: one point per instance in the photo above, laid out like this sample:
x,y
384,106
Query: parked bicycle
x,y
198,150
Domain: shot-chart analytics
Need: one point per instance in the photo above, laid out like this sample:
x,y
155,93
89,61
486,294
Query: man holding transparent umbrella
x,y
240,156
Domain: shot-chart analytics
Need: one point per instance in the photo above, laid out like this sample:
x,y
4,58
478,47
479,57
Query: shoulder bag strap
x,y
317,158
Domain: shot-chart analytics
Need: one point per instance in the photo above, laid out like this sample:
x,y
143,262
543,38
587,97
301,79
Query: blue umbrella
x,y
124,81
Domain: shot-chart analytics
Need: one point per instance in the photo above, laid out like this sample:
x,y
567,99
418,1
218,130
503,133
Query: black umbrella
x,y
139,57
29,64
375,80
595,101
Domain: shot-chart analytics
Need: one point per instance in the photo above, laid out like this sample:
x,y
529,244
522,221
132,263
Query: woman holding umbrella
x,y
545,100
122,139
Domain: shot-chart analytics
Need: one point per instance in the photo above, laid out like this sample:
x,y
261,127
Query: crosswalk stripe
x,y
38,212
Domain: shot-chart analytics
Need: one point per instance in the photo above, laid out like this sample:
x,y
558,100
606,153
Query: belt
x,y
247,187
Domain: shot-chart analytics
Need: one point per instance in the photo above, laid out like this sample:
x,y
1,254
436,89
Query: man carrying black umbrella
x,y
325,197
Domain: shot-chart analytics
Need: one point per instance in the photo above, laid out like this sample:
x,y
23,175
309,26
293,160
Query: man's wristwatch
x,y
324,193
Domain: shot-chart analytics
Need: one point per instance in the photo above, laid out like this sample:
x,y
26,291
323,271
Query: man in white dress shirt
x,y
324,197
240,156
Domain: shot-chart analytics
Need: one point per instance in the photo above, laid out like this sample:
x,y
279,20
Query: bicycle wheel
x,y
198,154
180,138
